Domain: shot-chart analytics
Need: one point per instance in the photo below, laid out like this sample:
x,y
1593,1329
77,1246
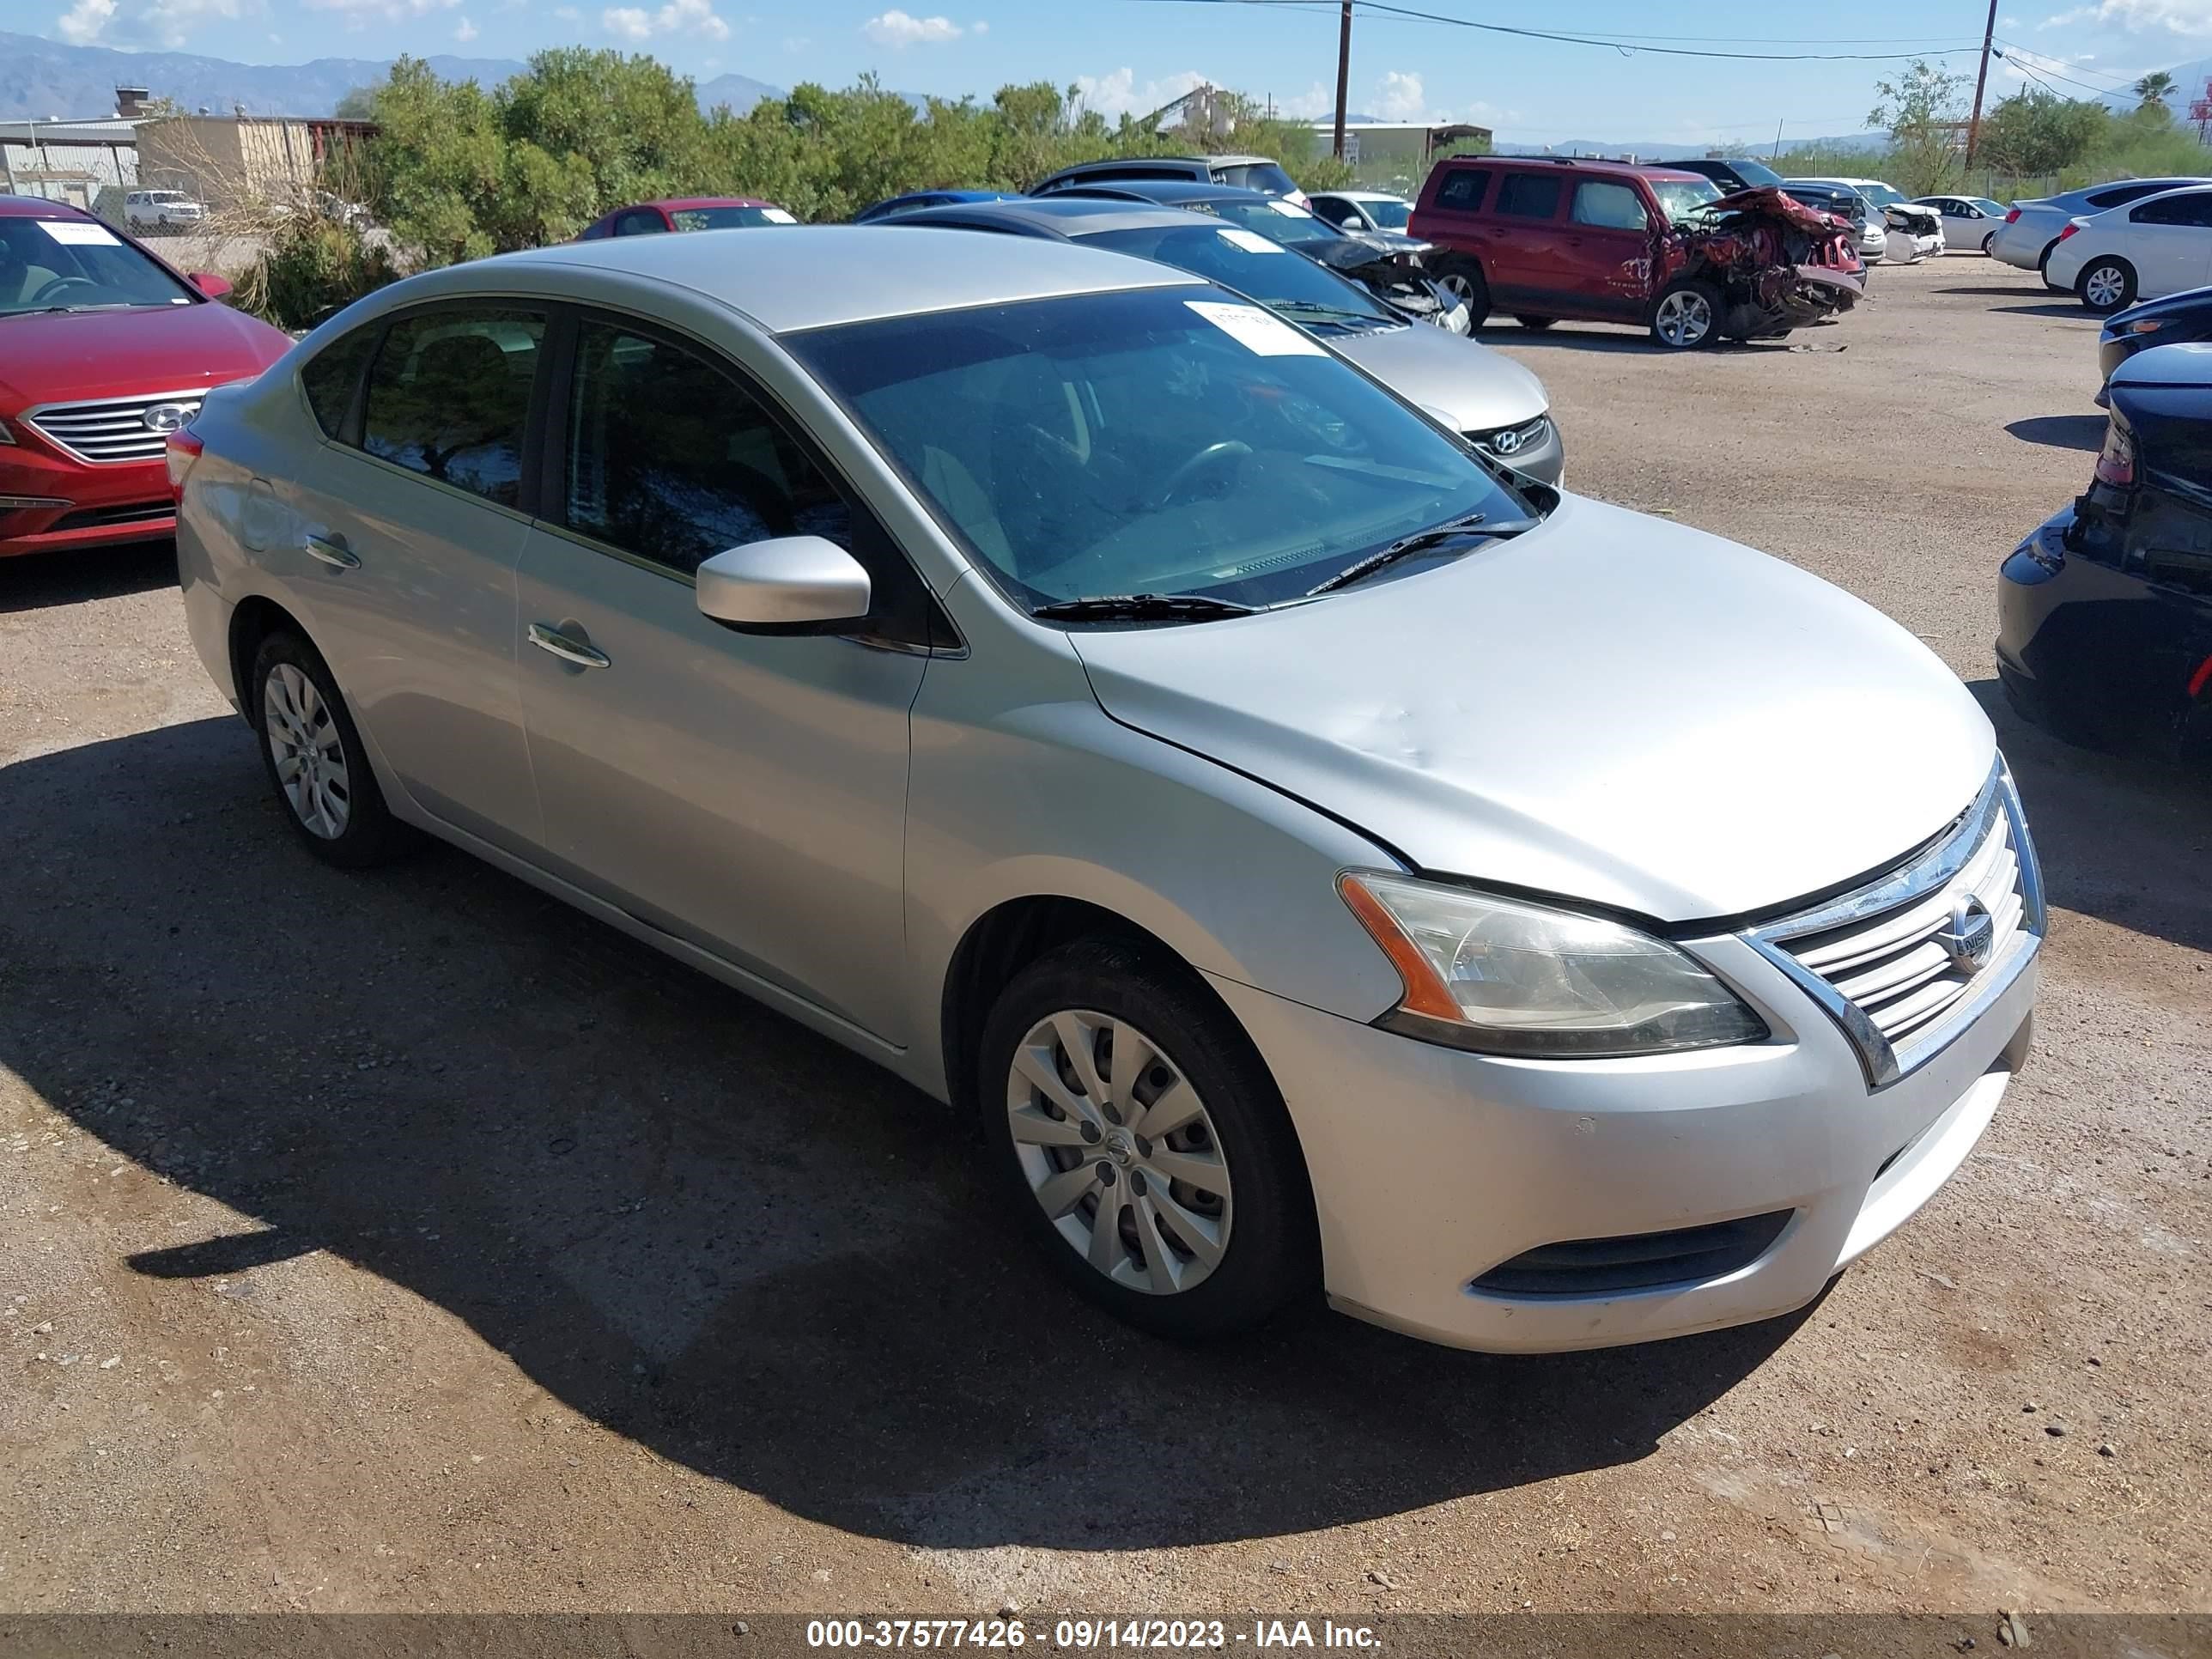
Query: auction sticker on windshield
x,y
75,231
778,217
1257,331
1250,241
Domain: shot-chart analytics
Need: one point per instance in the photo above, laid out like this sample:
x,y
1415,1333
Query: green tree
x,y
358,105
2154,88
1921,110
2034,132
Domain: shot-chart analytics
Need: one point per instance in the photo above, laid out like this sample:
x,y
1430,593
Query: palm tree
x,y
2154,88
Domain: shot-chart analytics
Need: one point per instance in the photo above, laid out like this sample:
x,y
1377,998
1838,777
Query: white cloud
x,y
1399,97
2140,16
676,17
81,23
359,13
464,31
979,26
1118,93
898,30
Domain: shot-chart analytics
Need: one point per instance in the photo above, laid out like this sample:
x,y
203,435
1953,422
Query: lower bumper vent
x,y
1636,1262
89,518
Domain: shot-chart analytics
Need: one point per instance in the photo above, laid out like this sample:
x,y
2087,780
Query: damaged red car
x,y
1543,238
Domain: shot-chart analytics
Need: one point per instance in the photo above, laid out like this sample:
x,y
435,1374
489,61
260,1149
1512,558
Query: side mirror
x,y
791,585
215,286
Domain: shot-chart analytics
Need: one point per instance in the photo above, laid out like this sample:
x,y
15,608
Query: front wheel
x,y
1463,280
1138,1137
1688,316
2106,284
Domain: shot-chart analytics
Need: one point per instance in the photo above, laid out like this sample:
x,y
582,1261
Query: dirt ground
x,y
407,1241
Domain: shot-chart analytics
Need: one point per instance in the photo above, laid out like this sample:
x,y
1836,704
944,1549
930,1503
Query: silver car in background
x,y
1321,859
2032,225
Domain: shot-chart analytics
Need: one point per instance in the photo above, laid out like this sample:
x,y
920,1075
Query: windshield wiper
x,y
1142,607
1419,542
1326,313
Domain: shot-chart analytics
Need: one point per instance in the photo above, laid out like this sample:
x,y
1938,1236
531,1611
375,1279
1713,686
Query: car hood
x,y
1471,386
74,356
1611,708
1923,219
2191,299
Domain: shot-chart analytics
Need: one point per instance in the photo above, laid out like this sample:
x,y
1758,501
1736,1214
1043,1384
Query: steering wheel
x,y
1213,455
47,290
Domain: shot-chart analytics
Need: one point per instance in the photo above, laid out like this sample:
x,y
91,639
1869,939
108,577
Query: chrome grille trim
x,y
1870,959
1531,434
110,429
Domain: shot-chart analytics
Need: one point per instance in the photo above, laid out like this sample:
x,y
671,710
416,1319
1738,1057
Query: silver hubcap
x,y
311,764
1459,287
1118,1150
1683,318
2104,286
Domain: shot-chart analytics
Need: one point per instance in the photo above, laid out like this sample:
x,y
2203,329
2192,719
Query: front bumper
x,y
73,505
1431,1167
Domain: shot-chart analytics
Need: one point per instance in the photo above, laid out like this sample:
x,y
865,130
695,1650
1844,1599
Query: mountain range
x,y
41,78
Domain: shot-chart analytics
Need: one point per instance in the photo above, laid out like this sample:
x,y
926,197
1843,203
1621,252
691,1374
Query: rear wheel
x,y
1687,316
314,758
1142,1144
2106,284
1463,280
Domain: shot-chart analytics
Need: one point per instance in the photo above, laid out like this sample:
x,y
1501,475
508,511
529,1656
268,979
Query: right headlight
x,y
1504,976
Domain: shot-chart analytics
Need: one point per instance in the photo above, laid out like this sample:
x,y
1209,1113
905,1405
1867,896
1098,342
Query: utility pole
x,y
1981,78
1344,70
1777,138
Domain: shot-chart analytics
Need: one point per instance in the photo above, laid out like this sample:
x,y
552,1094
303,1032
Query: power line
x,y
2044,60
1628,45
2037,72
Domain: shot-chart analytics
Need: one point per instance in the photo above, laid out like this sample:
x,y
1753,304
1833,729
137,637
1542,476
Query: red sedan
x,y
689,213
104,352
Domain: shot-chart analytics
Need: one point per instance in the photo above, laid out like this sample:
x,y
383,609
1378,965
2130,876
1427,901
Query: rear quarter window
x,y
1464,189
330,377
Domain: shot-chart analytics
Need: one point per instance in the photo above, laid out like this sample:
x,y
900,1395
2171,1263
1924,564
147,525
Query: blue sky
x,y
1136,54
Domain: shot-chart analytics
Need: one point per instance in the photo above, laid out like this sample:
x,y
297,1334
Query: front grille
x,y
1507,442
91,518
113,429
1636,1262
1904,964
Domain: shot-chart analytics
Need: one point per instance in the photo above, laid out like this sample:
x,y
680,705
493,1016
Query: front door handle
x,y
331,551
546,637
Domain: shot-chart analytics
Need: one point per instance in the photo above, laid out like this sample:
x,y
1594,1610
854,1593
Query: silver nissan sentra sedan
x,y
1320,857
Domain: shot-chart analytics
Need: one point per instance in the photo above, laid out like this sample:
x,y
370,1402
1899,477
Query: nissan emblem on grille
x,y
1972,933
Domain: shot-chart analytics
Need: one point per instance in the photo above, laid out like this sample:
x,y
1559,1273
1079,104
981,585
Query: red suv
x,y
1603,241
104,352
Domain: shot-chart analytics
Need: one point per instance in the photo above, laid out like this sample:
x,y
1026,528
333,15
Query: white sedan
x,y
1969,221
2158,246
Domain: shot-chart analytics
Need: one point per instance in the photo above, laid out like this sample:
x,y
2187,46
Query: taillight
x,y
184,449
2013,217
2116,463
2069,231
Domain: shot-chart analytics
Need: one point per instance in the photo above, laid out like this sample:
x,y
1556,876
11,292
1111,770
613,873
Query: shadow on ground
x,y
2066,309
2126,838
2085,432
702,1226
37,580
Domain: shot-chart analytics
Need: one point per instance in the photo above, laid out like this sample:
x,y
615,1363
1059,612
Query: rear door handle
x,y
546,637
331,551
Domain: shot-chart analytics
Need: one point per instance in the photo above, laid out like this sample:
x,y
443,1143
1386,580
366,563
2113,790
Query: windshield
x,y
1756,175
1276,220
1248,262
1681,197
1883,195
728,218
1171,440
1255,175
1389,214
74,264
1994,210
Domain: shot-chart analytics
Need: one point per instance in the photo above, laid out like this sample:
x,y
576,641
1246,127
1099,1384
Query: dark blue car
x,y
2176,319
914,200
2104,612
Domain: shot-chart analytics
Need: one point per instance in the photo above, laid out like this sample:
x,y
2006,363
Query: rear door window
x,y
1530,195
449,396
1464,189
2193,210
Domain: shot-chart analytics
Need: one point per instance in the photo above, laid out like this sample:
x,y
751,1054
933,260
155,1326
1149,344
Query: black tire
x,y
1271,1254
1462,277
1536,324
1681,297
369,834
2043,268
2111,266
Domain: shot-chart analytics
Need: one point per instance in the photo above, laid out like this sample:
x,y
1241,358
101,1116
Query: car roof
x,y
676,203
1615,169
2189,364
1060,216
818,275
38,207
1183,190
1363,195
